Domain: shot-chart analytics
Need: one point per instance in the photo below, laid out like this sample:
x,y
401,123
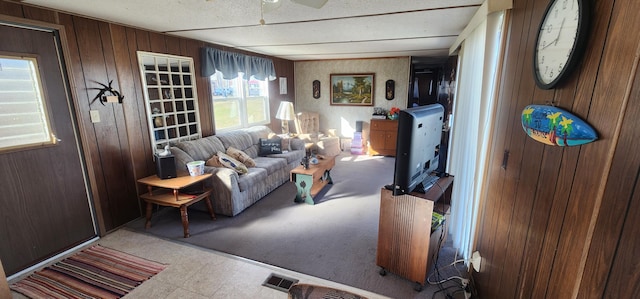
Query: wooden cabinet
x,y
383,134
406,240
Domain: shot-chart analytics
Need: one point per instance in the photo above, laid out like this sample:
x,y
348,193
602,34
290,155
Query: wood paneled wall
x,y
117,149
563,222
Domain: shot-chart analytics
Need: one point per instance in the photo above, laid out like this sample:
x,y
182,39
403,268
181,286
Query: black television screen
x,y
417,147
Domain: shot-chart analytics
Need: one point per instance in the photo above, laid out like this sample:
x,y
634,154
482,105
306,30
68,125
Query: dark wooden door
x,y
44,199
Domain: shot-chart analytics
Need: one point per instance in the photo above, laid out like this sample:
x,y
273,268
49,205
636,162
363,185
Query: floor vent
x,y
279,282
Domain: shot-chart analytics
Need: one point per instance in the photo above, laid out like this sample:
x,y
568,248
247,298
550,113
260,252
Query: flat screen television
x,y
417,147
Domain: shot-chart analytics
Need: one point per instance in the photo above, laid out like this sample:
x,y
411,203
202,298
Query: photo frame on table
x,y
352,89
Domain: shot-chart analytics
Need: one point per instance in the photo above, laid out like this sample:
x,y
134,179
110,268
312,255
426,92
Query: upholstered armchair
x,y
308,129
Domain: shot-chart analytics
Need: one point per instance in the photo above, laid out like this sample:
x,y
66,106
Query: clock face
x,y
558,39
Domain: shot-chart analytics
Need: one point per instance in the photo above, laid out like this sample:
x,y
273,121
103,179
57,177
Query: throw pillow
x,y
270,146
241,156
286,141
214,161
286,144
229,162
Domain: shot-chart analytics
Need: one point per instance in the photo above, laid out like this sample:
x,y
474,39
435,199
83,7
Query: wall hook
x,y
113,95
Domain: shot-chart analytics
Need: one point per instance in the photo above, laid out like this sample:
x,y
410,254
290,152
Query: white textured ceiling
x,y
340,29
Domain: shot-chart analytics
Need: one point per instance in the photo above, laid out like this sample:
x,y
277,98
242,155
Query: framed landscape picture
x,y
352,89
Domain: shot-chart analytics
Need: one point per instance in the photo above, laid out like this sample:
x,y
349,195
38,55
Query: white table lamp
x,y
285,113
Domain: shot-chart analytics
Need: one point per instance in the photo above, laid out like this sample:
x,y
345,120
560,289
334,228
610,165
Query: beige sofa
x,y
233,192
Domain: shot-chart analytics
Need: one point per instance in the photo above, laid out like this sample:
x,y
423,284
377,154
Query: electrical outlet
x,y
95,116
476,260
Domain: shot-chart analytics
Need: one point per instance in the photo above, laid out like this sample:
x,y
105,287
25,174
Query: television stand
x,y
428,182
405,240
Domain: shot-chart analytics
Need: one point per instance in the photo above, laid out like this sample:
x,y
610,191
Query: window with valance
x,y
239,88
232,64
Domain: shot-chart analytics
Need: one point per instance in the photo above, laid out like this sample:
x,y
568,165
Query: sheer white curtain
x,y
471,127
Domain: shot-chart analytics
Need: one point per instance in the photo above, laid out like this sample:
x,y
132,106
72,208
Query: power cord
x,y
439,276
452,277
461,284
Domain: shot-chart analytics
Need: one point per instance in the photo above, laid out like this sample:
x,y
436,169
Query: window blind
x,y
24,119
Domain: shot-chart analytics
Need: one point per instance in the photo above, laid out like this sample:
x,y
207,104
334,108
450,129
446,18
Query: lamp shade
x,y
285,111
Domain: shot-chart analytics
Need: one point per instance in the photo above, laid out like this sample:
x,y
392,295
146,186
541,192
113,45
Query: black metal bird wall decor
x,y
106,91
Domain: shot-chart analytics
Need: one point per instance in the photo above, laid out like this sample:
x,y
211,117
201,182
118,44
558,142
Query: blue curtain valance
x,y
231,63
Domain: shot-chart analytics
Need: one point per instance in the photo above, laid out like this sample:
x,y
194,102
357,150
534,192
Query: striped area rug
x,y
95,272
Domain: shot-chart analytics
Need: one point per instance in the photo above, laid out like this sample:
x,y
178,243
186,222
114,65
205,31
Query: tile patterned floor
x,y
194,272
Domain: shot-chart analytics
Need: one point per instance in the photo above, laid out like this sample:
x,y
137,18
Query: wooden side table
x,y
310,181
169,195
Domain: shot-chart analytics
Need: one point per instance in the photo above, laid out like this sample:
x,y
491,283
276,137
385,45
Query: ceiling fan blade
x,y
311,3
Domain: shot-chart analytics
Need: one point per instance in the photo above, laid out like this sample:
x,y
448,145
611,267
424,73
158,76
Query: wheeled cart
x,y
407,243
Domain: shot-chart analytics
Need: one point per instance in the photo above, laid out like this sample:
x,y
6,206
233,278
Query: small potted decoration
x,y
393,113
305,162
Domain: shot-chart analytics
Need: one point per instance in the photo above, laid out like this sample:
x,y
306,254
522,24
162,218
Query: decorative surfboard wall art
x,y
554,126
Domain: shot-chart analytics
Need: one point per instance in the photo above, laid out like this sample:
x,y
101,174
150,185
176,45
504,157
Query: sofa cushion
x,y
258,132
253,179
203,148
270,146
241,156
290,157
238,139
286,144
271,164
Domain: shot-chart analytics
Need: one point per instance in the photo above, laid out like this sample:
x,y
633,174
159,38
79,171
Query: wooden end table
x,y
169,195
310,181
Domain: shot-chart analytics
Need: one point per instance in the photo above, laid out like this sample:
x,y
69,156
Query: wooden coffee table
x,y
310,181
169,195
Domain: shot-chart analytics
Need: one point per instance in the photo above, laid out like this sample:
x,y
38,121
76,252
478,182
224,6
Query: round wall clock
x,y
561,40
